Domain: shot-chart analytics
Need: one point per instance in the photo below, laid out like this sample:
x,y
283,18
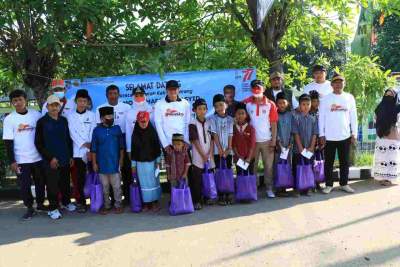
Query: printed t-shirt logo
x,y
335,107
25,127
173,112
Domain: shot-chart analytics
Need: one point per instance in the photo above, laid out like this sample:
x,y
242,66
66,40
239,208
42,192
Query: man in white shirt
x,y
58,89
120,110
172,115
81,124
320,84
338,130
19,137
139,104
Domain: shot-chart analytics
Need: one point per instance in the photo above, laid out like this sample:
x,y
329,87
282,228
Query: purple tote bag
x,y
284,176
319,169
209,189
134,195
304,176
246,187
88,182
96,194
181,199
224,178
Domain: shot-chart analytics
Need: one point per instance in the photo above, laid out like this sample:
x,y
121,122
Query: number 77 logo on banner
x,y
247,73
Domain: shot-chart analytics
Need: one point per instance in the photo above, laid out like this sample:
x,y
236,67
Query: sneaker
x,y
347,189
270,194
54,214
70,207
327,189
29,214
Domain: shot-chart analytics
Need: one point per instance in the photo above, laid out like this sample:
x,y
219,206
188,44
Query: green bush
x,y
364,159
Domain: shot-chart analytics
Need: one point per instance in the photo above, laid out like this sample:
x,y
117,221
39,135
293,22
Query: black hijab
x,y
386,114
145,144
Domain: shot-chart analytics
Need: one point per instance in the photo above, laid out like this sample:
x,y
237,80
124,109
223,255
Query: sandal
x,y
104,211
118,210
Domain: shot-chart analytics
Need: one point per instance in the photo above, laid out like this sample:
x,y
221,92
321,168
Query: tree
x,y
366,81
388,42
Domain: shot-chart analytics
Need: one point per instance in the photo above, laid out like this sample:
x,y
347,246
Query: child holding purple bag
x,y
222,132
284,143
244,139
305,131
202,150
177,160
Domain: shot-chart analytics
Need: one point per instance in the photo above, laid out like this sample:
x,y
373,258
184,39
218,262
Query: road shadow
x,y
380,257
98,227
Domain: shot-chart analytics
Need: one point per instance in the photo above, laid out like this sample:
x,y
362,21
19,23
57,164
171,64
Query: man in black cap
x,y
107,149
276,80
172,115
81,123
320,84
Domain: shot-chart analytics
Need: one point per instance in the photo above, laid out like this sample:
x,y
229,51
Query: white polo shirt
x,y
261,116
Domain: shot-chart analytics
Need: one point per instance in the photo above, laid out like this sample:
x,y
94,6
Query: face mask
x,y
139,99
257,91
60,95
109,122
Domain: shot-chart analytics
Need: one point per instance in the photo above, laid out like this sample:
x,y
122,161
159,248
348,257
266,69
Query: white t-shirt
x,y
338,117
81,127
322,88
119,114
170,118
130,120
70,107
21,129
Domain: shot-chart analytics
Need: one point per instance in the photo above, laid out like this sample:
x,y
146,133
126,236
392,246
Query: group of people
x,y
119,141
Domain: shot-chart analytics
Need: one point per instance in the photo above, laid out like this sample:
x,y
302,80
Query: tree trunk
x,y
268,37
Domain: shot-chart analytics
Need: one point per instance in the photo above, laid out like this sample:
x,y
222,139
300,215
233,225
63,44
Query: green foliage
x,y
47,38
364,159
366,81
388,43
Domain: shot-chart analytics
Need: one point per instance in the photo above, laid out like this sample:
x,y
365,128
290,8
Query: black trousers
x,y
27,172
196,183
58,180
81,170
126,177
343,149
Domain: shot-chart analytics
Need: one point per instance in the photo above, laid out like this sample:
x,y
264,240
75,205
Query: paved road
x,y
336,230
